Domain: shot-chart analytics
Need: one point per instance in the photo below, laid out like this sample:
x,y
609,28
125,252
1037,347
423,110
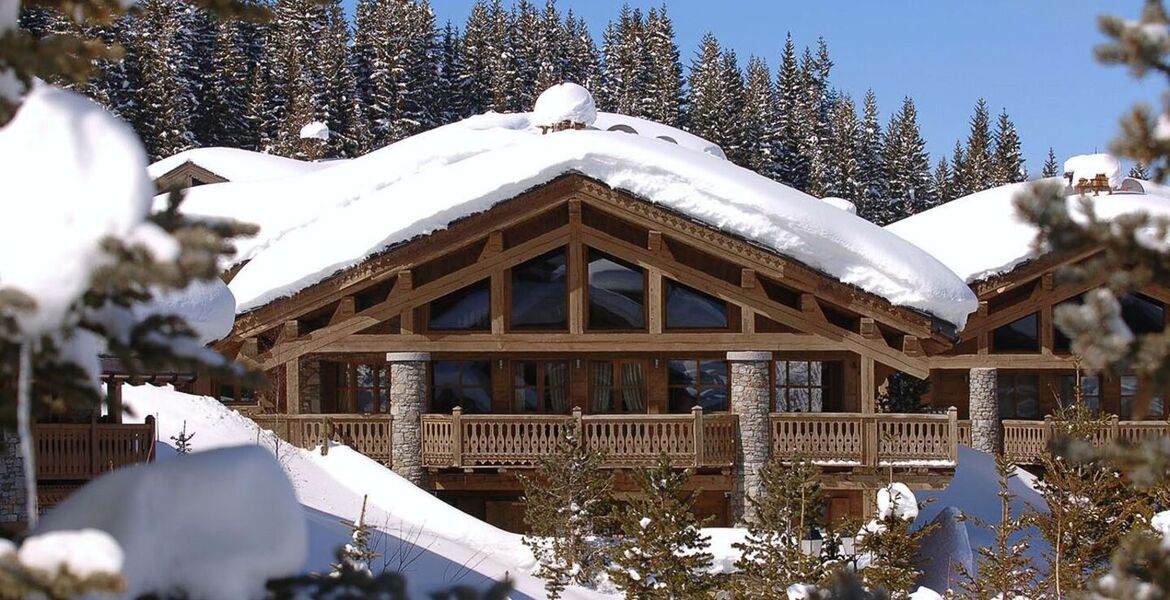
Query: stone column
x,y
751,398
12,492
984,410
408,396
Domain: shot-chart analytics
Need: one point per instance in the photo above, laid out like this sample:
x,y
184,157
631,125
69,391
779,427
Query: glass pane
x,y
816,401
1060,342
446,372
365,400
601,386
798,373
478,373
247,394
444,400
682,399
682,372
781,399
1157,407
1018,336
525,400
617,298
1129,385
781,373
814,373
476,401
384,399
798,400
1027,396
465,309
633,388
713,372
556,387
366,375
227,392
525,374
538,292
688,308
713,399
1142,314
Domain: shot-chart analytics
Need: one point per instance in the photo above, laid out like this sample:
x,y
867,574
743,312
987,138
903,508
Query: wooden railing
x,y
81,451
369,434
854,439
1025,442
495,441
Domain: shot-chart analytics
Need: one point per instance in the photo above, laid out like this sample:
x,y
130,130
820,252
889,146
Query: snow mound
x,y
207,306
315,130
231,512
658,131
235,164
54,224
564,102
925,593
896,500
82,553
840,203
1088,166
956,232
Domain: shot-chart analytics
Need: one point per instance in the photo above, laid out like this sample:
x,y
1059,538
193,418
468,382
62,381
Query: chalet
x,y
1011,362
448,303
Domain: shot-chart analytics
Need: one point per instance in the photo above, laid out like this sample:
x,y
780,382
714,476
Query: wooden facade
x,y
637,309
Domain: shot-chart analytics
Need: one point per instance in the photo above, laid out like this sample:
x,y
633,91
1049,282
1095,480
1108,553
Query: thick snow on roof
x,y
981,235
666,133
1088,166
564,102
234,164
326,221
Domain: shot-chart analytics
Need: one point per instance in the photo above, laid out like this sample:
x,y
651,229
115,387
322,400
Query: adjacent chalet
x,y
448,303
1010,361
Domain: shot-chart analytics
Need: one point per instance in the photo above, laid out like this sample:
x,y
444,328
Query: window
x,y
1141,314
801,385
617,386
540,386
468,309
1019,336
1090,391
617,294
464,383
364,388
1131,386
538,293
234,393
692,383
688,308
1018,396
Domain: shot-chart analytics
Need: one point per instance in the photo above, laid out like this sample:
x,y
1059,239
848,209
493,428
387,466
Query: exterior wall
x,y
12,493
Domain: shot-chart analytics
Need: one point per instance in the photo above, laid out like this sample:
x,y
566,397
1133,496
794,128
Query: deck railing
x,y
855,439
1025,442
369,434
499,441
81,451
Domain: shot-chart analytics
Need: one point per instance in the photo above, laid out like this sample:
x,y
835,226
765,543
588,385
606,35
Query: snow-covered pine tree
x,y
581,62
871,161
625,64
164,111
1051,167
663,101
708,96
397,62
524,48
477,60
903,393
567,502
843,177
907,167
335,98
958,187
731,137
1139,171
356,555
551,51
501,64
182,440
789,505
792,166
229,88
978,167
1003,570
807,123
198,34
1008,158
451,86
758,118
661,554
942,180
890,544
820,100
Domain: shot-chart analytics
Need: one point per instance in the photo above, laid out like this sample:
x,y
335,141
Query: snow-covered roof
x,y
234,164
564,102
981,235
319,223
672,135
1088,166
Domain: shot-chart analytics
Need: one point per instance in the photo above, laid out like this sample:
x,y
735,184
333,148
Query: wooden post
x,y
114,390
327,431
867,384
655,300
700,443
150,421
292,386
93,450
457,436
496,305
869,440
953,427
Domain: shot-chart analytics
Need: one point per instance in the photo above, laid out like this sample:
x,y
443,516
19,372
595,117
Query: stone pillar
x,y
751,399
984,410
408,396
12,492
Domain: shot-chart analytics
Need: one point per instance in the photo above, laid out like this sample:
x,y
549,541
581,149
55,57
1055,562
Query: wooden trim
x,y
550,343
868,386
655,301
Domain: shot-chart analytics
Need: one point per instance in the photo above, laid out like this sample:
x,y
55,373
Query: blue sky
x,y
1032,57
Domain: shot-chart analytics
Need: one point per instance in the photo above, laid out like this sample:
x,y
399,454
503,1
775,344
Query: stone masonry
x,y
12,494
984,408
750,399
408,389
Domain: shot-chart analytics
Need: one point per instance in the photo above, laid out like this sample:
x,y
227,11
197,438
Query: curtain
x,y
557,385
632,388
602,386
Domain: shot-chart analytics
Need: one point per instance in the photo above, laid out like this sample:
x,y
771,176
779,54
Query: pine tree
x,y
890,546
566,504
731,133
182,440
551,51
355,557
820,100
524,40
661,553
978,167
229,89
625,64
397,63
451,86
664,94
907,167
1008,158
1051,167
708,96
943,178
958,187
1139,171
871,162
758,118
787,507
336,98
478,59
903,394
1003,570
581,65
843,177
792,166
501,64
163,117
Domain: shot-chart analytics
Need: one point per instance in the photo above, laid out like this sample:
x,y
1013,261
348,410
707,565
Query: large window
x,y
617,294
1018,395
1018,336
538,293
694,383
801,385
1090,391
234,393
617,386
464,383
688,308
540,386
1130,385
467,309
1140,313
364,388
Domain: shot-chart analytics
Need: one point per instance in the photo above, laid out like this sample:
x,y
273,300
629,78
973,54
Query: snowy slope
x,y
235,164
981,235
434,544
423,183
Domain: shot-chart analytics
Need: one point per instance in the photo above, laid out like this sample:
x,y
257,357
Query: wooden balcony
x,y
867,440
369,434
82,451
1025,442
518,441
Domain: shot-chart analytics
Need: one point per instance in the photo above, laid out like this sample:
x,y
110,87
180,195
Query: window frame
x,y
428,314
489,386
1015,376
664,295
586,249
540,387
615,386
347,395
509,281
698,385
825,387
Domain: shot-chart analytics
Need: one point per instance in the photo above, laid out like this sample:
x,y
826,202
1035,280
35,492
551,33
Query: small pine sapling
x,y
183,440
355,556
567,504
790,503
888,545
1003,570
661,554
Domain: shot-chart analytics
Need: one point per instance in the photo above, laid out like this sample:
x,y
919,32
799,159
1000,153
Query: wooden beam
x,y
747,320
912,346
547,343
292,387
289,331
345,310
868,329
654,242
1035,361
654,299
748,279
495,244
406,324
810,306
497,302
868,386
577,277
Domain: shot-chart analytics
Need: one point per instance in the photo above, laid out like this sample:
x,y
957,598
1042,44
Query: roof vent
x,y
564,106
